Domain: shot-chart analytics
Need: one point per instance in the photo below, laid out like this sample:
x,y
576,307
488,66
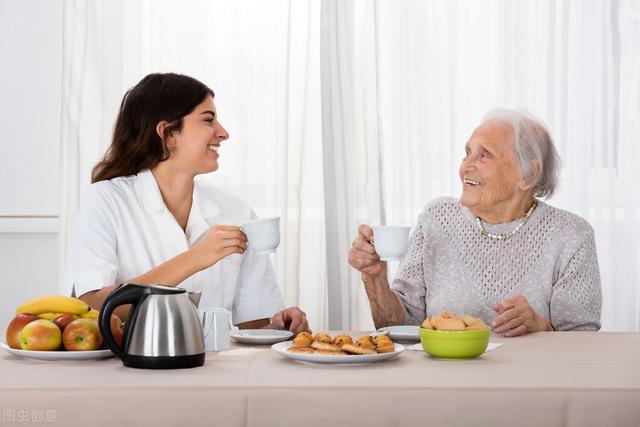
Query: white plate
x,y
352,359
58,355
260,336
402,333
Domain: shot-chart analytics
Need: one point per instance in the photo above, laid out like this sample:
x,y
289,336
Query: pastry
x,y
365,341
323,337
303,339
342,339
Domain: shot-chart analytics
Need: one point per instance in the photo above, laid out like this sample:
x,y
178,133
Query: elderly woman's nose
x,y
469,162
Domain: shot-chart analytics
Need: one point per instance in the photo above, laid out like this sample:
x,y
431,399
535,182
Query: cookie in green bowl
x,y
465,344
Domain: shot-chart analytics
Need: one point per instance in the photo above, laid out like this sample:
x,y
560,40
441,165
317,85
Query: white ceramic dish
x,y
260,336
402,333
349,360
58,355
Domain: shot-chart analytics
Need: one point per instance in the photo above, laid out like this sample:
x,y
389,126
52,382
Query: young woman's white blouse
x,y
123,229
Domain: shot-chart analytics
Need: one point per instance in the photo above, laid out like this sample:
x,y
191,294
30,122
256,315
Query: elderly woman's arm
x,y
576,298
403,302
386,308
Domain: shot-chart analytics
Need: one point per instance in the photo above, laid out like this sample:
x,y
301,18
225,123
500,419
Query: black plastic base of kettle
x,y
164,362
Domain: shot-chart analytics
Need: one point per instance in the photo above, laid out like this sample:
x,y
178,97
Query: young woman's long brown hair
x,y
136,145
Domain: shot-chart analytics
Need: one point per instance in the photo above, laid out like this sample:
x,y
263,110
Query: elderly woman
x,y
498,253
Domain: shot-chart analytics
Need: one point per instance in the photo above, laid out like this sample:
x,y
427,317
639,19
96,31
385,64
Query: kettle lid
x,y
165,290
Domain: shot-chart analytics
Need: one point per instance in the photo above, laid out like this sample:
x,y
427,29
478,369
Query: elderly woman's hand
x,y
292,319
363,256
516,317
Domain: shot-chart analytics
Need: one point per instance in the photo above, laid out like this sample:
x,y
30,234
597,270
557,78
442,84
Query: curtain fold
x,y
351,148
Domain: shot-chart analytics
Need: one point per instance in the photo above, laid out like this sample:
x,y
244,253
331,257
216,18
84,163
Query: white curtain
x,y
349,112
262,61
575,64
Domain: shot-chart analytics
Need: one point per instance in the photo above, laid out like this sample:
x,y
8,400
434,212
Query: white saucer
x,y
58,355
260,336
402,333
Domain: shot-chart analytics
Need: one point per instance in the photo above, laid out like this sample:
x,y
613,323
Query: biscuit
x,y
427,324
318,345
443,324
330,353
350,348
306,350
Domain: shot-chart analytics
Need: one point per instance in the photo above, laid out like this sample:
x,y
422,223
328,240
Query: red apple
x,y
15,328
64,320
41,335
82,335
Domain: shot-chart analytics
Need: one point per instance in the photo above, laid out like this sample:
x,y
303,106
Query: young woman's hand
x,y
363,256
292,319
220,241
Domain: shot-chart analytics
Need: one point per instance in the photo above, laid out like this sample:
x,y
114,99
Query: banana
x,y
91,314
53,304
50,316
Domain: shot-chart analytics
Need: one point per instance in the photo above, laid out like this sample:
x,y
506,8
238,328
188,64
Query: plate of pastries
x,y
341,349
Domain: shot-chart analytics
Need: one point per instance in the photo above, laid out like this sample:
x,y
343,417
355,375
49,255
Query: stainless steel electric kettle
x,y
163,330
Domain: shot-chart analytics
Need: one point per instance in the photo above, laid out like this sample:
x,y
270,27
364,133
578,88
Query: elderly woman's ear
x,y
527,184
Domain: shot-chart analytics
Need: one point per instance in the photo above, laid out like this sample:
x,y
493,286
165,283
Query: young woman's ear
x,y
160,129
529,184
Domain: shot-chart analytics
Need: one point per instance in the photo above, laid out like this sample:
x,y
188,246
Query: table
x,y
542,379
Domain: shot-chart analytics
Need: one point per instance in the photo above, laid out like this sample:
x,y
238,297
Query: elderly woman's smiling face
x,y
492,185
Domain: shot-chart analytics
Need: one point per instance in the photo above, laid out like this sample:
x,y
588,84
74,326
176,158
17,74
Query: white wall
x,y
30,88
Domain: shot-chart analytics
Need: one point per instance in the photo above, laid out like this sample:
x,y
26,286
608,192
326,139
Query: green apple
x,y
15,328
41,335
82,335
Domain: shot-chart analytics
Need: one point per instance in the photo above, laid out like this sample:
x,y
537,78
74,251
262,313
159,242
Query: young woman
x,y
145,219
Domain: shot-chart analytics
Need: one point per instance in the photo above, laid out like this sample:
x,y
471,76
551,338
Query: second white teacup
x,y
391,241
263,234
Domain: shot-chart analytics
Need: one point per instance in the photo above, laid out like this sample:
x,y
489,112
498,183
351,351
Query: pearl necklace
x,y
505,236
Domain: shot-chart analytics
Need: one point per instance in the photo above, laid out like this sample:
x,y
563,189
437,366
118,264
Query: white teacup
x,y
391,241
215,328
263,234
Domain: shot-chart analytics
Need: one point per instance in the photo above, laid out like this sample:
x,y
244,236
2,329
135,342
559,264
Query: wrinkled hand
x,y
363,256
292,319
516,317
220,241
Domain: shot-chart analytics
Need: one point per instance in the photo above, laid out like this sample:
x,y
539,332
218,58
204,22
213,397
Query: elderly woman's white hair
x,y
533,146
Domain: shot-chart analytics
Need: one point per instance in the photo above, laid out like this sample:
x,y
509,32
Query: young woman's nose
x,y
221,133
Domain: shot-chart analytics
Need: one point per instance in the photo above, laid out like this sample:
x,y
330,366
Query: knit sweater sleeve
x,y
409,284
576,297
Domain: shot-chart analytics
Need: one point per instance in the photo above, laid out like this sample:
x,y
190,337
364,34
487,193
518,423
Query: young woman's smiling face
x,y
195,147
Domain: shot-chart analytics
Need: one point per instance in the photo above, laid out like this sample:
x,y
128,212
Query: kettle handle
x,y
124,294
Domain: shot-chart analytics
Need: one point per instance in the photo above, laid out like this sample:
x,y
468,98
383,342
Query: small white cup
x,y
391,241
215,328
263,234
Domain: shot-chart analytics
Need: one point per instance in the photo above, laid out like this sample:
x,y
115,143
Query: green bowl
x,y
454,344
